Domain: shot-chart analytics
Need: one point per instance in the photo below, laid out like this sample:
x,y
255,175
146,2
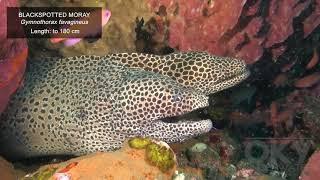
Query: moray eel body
x,y
83,104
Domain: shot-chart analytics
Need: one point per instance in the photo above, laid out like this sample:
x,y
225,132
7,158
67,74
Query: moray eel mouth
x,y
200,113
236,77
194,115
228,81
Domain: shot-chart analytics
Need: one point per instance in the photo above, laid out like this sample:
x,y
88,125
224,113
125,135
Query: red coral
x,y
281,15
311,170
235,28
253,50
196,17
13,55
312,21
177,28
314,60
308,81
276,52
155,4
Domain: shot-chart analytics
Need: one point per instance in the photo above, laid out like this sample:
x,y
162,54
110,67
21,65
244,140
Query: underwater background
x,y
266,127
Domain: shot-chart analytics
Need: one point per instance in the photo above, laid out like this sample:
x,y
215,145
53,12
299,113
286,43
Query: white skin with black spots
x,y
197,70
85,104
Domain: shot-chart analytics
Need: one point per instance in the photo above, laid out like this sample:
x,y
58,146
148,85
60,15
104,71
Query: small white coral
x,y
179,176
61,176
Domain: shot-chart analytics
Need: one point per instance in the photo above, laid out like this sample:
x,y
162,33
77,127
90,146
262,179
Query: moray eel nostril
x,y
83,104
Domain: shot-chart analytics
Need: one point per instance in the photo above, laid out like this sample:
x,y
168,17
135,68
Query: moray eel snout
x,y
225,73
209,74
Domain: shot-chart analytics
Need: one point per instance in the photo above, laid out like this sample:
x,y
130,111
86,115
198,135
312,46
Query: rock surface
x,y
127,163
6,170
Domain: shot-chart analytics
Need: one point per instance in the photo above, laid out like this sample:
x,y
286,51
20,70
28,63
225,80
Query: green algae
x,y
156,154
139,143
44,174
160,156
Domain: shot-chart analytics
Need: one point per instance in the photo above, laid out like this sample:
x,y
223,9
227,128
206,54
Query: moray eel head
x,y
147,100
198,70
225,73
204,72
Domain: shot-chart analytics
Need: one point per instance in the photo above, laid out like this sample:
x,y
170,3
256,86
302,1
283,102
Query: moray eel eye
x,y
177,97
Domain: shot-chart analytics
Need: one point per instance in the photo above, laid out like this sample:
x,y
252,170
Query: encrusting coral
x,y
242,29
155,161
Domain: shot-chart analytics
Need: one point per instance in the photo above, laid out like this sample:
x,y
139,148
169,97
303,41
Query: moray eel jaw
x,y
176,132
182,130
181,104
152,100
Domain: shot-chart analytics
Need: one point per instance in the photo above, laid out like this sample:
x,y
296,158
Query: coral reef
x,y
243,29
212,155
290,122
127,163
13,55
277,107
